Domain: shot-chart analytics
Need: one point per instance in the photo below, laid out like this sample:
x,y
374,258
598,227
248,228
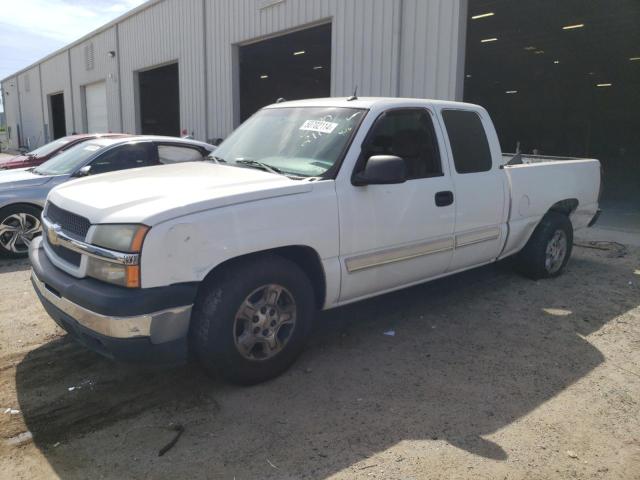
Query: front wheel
x,y
19,225
548,250
251,320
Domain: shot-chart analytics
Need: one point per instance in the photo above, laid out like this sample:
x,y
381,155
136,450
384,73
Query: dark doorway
x,y
561,78
160,101
58,120
292,66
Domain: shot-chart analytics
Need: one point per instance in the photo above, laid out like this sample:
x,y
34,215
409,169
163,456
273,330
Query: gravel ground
x,y
488,375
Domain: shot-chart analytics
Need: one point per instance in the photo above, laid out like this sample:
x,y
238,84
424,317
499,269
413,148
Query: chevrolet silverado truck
x,y
308,205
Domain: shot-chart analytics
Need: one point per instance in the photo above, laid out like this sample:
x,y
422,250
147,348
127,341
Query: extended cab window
x,y
408,134
175,154
121,158
469,144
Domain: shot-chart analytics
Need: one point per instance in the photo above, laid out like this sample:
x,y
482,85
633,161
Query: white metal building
x,y
201,66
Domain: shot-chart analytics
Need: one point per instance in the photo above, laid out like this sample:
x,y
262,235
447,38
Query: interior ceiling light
x,y
264,76
468,75
556,62
511,92
634,59
573,27
530,48
318,67
604,84
487,40
482,15
300,52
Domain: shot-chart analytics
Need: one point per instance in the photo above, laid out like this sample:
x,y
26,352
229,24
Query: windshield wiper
x,y
262,166
217,159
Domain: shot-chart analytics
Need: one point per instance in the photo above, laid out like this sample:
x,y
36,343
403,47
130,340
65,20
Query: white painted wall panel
x,y
96,107
105,68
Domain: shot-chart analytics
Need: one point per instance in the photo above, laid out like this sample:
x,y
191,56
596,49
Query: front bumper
x,y
140,325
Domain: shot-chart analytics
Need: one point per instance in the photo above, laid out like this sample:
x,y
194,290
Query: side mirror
x,y
381,170
83,172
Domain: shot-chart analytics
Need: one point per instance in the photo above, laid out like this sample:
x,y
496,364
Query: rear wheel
x,y
19,225
548,250
251,320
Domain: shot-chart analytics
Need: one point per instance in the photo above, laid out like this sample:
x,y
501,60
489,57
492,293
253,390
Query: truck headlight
x,y
123,238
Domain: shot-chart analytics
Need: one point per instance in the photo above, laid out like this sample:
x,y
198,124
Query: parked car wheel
x,y
19,225
251,320
548,250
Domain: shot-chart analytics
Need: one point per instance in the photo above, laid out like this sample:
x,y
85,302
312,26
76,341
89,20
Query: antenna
x,y
354,96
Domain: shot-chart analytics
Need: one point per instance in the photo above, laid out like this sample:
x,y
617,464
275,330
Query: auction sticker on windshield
x,y
319,126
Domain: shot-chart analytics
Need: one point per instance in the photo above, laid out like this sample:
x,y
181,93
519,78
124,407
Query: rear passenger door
x,y
479,188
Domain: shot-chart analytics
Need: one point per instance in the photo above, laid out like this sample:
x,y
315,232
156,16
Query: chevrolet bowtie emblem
x,y
53,234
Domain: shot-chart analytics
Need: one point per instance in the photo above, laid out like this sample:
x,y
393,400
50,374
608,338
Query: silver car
x,y
23,192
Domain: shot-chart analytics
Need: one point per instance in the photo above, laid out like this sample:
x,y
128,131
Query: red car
x,y
45,152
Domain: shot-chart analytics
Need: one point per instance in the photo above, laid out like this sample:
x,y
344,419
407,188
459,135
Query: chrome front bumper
x,y
117,327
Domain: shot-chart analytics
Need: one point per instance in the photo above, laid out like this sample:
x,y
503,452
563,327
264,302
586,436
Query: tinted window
x,y
468,140
121,158
409,134
173,154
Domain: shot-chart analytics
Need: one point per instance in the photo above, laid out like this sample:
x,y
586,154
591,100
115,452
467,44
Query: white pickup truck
x,y
308,205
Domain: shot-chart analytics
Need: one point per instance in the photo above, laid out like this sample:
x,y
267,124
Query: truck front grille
x,y
67,255
70,222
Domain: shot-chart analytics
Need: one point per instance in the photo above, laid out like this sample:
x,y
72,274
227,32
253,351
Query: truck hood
x,y
153,195
19,178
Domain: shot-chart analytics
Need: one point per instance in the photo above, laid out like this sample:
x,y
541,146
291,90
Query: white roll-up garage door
x,y
96,101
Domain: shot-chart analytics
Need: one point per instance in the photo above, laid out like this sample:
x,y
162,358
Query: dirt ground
x,y
488,375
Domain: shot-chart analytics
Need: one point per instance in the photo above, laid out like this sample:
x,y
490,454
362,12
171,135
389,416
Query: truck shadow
x,y
468,355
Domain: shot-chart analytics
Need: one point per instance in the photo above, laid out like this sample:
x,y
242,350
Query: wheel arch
x,y
26,204
305,257
566,207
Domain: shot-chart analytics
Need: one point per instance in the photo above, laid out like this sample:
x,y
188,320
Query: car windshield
x,y
68,162
297,141
49,147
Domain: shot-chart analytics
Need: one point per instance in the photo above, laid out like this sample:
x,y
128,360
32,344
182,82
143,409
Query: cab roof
x,y
371,103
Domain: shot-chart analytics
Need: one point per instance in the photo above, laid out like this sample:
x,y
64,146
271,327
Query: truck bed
x,y
534,186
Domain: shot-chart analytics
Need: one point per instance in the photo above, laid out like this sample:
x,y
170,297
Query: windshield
x,y
48,148
299,141
68,162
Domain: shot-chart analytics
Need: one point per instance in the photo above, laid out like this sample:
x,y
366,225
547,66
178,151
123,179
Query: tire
x,y
548,250
19,224
221,336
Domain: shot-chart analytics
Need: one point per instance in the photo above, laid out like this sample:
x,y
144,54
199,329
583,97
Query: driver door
x,y
396,235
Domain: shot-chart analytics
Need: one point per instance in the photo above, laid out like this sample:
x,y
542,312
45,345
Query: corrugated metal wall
x,y
56,79
102,68
33,133
385,47
11,109
170,31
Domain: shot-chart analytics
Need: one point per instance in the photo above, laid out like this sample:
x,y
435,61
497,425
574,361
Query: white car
x,y
310,205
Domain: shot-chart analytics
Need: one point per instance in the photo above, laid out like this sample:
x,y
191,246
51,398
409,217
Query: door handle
x,y
444,199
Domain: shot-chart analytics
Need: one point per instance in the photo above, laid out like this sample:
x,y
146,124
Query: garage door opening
x,y
96,108
58,120
159,94
292,66
561,78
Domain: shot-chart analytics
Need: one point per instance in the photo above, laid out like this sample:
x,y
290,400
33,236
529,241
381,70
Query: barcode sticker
x,y
319,126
